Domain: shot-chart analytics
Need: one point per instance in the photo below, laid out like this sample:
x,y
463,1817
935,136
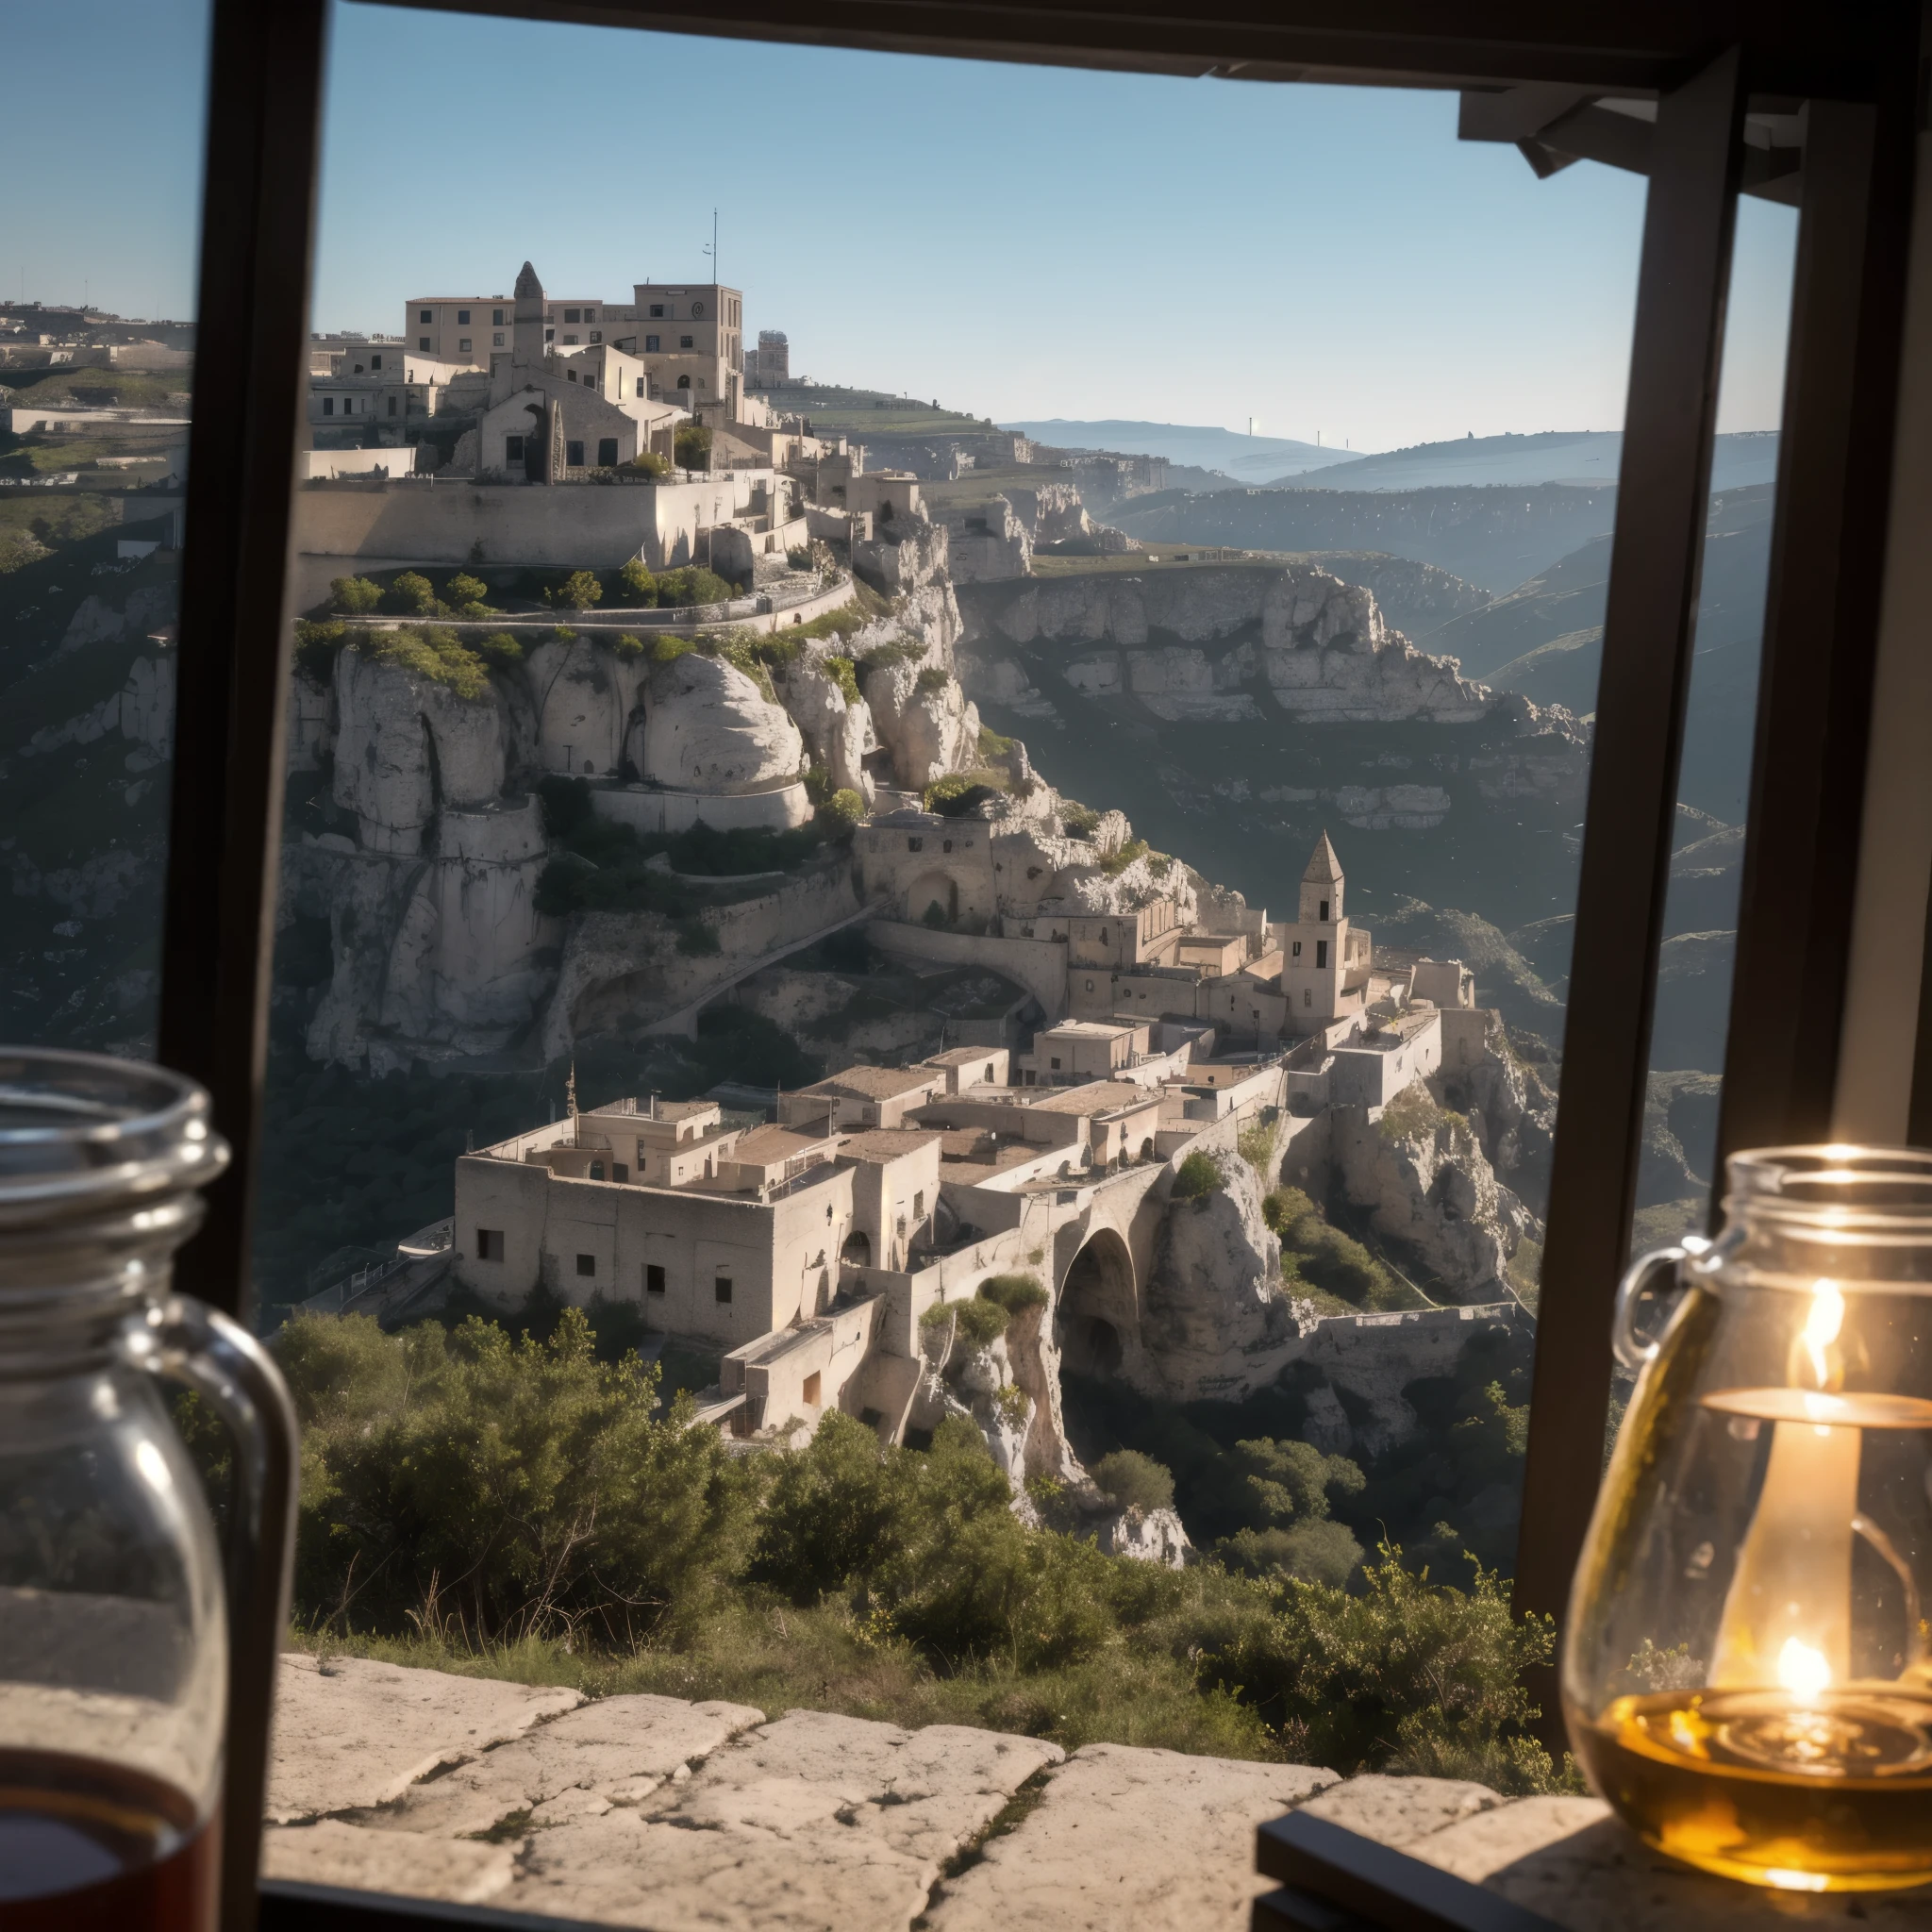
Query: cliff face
x,y
1215,1323
1220,643
1429,1190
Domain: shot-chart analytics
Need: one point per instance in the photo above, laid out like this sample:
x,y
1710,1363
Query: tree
x,y
577,591
468,594
694,446
411,596
840,813
647,463
1129,1480
1200,1176
357,596
639,586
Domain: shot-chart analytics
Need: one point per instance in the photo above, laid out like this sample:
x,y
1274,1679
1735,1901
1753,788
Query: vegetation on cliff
x,y
520,1507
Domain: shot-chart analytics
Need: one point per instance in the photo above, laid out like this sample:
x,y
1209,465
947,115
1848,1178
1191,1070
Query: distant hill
x,y
1555,456
1492,537
1247,458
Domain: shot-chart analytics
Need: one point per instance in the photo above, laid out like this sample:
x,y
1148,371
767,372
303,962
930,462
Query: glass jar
x,y
1746,1676
116,1654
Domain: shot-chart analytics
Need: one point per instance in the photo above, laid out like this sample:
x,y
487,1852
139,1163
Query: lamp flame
x,y
1821,1327
1803,1671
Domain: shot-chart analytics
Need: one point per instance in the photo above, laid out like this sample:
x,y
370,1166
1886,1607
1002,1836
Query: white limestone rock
x,y
408,747
333,1853
1422,1176
1215,1324
1125,1837
350,1733
1148,1535
839,730
930,731
616,1751
710,728
588,700
1398,1810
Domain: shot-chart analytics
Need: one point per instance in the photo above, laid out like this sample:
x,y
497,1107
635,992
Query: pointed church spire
x,y
1324,867
528,284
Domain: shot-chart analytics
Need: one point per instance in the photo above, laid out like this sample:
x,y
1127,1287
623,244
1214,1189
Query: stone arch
x,y
1096,1314
934,887
857,1252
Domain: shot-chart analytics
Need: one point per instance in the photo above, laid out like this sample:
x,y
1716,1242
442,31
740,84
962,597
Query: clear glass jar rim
x,y
85,1129
1834,1189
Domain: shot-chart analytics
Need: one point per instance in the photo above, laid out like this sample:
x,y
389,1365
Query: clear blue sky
x,y
1017,241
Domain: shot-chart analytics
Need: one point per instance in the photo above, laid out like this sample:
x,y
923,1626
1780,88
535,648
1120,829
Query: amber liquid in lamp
x,y
92,1847
1834,1795
1804,1786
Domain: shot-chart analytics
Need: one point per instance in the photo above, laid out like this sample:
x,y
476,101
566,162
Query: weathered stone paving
x,y
649,1811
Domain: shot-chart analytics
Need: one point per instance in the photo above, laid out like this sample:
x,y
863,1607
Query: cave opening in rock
x,y
1095,1310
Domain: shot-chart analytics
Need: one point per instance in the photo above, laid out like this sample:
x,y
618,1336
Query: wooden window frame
x,y
1703,61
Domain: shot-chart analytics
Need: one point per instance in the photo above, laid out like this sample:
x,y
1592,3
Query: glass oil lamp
x,y
1747,1677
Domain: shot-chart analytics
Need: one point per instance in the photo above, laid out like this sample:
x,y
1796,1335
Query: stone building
x,y
1325,968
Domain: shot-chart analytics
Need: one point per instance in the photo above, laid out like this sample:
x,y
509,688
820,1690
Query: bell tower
x,y
1313,975
526,345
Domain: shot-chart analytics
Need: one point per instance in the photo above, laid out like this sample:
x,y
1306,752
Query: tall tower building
x,y
774,359
1317,945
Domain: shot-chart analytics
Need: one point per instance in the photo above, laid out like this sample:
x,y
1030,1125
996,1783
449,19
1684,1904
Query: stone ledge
x,y
689,1817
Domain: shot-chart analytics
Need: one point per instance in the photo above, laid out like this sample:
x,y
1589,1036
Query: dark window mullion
x,y
252,322
1808,792
1655,558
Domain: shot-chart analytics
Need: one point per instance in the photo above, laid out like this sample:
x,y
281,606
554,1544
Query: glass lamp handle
x,y
186,1341
1640,1278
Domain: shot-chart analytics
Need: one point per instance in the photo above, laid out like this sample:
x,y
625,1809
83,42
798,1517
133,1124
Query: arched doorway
x,y
1096,1312
856,1253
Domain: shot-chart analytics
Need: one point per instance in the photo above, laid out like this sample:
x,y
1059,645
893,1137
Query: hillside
x,y
1585,456
1496,538
1247,458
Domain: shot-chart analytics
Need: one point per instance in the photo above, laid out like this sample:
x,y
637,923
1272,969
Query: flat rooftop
x,y
1095,1097
887,1143
872,1083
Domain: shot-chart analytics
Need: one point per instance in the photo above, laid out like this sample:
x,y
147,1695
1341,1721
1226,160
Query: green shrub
x,y
316,648
1415,1113
1122,855
500,648
931,679
694,446
411,596
1327,1258
992,747
667,650
504,1487
840,813
1321,1551
1081,821
844,673
1255,1145
468,594
692,584
357,596
432,653
980,1323
579,590
1129,1480
1014,1292
1408,1677
1200,1176
639,586
647,463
